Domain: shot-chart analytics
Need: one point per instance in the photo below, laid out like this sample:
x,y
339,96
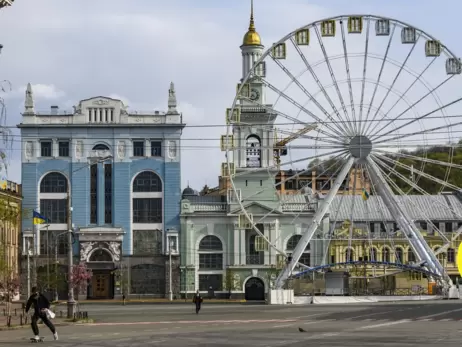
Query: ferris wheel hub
x,y
360,147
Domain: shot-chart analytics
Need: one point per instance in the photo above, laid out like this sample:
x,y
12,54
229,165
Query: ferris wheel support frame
x,y
317,219
416,241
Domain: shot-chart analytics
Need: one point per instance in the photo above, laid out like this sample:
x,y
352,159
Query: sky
x,y
72,50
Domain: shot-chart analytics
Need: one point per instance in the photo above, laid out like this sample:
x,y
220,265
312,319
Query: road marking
x,y
439,314
383,324
194,322
283,325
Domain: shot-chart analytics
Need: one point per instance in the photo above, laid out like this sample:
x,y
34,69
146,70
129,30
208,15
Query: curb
x,y
179,302
18,327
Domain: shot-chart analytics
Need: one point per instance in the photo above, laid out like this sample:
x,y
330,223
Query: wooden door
x,y
100,286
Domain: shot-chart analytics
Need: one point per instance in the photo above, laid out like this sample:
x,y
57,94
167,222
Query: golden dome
x,y
251,38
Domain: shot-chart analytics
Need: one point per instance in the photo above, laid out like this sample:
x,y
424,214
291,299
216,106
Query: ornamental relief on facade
x,y
29,149
87,248
121,149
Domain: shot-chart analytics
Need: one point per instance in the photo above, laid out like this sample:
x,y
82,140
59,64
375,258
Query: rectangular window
x,y
147,210
138,148
147,242
211,261
108,193
63,148
46,149
54,209
51,244
448,227
214,282
156,149
93,193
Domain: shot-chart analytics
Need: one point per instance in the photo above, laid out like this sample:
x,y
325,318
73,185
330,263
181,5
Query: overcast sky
x,y
72,50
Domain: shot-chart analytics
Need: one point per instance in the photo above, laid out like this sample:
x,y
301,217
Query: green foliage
x,y
230,282
53,279
437,170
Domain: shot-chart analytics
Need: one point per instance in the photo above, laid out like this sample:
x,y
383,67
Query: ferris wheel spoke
x,y
303,190
397,210
381,160
350,88
318,82
261,169
316,221
421,173
374,136
421,159
334,80
301,173
316,138
381,164
340,131
293,102
426,131
363,85
379,77
401,68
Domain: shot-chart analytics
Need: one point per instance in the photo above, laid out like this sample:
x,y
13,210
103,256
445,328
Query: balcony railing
x,y
255,259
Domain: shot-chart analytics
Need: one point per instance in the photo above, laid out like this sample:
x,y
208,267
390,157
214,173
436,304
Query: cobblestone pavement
x,y
400,325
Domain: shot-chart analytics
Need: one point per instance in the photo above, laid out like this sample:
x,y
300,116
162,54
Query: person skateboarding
x,y
198,301
41,305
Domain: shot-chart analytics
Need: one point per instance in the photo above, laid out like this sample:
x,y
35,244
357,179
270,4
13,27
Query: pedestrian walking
x,y
41,307
198,301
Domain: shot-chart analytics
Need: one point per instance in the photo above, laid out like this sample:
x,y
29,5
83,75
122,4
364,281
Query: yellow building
x,y
373,235
10,227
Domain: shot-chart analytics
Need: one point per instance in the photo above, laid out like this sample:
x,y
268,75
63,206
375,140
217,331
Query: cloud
x,y
73,50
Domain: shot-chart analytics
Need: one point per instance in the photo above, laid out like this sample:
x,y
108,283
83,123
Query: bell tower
x,y
252,122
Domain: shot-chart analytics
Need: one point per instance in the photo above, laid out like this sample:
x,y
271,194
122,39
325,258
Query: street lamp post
x,y
170,282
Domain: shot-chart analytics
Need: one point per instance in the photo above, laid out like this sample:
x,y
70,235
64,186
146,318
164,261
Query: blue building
x,y
118,172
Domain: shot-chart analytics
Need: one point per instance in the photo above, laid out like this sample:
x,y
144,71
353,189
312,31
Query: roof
x,y
418,207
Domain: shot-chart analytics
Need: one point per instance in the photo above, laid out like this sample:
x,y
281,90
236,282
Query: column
x,y
54,148
147,146
267,233
236,260
242,244
100,194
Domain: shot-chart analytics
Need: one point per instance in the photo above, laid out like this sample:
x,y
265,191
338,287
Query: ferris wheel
x,y
374,103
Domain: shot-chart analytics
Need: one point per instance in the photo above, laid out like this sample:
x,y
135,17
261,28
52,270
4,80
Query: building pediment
x,y
256,208
101,101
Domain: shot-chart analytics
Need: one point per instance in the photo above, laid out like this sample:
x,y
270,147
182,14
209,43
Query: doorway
x,y
100,285
254,289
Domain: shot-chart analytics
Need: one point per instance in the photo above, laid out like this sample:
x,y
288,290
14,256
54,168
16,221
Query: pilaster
x,y
100,194
242,245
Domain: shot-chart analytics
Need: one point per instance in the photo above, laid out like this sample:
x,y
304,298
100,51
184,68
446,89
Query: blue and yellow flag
x,y
365,195
39,219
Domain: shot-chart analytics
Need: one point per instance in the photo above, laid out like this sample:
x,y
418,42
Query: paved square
x,y
399,324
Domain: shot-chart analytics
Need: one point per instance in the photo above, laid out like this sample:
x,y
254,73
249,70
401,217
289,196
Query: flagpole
x,y
34,252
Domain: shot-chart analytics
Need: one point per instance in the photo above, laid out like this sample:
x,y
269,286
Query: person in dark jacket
x,y
41,305
198,301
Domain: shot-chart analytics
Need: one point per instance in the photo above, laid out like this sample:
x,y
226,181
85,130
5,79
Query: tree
x,y
230,282
80,277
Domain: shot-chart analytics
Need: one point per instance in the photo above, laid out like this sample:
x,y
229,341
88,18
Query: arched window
x,y
440,256
210,259
373,254
101,255
410,255
399,255
305,259
147,182
386,254
53,197
100,147
349,255
147,199
451,255
253,152
54,182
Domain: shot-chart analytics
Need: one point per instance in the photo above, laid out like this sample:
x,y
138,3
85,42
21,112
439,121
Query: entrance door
x,y
100,284
254,289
